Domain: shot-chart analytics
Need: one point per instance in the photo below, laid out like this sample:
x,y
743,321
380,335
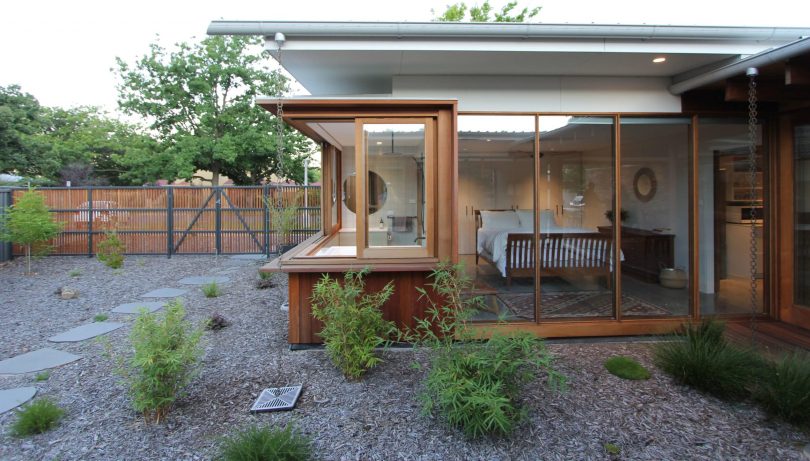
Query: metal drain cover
x,y
277,398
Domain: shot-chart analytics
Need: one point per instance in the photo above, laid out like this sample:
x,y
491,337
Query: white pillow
x,y
526,218
499,220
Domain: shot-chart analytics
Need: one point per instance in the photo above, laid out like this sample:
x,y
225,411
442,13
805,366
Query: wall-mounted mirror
x,y
645,184
377,192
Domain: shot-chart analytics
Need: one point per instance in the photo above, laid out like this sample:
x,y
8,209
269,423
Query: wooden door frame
x,y
787,310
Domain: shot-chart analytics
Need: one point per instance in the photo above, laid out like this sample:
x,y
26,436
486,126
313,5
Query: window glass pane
x,y
801,242
725,203
655,216
496,213
395,187
339,134
331,192
575,191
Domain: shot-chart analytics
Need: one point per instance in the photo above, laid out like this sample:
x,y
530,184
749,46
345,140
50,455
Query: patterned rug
x,y
576,304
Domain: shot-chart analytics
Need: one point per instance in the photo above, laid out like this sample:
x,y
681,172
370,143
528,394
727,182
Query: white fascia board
x,y
538,46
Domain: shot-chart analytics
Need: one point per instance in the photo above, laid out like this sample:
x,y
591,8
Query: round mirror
x,y
377,192
644,184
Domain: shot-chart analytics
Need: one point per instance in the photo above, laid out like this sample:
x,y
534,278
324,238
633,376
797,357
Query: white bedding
x,y
492,242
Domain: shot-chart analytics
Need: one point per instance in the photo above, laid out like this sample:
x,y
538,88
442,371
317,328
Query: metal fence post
x,y
266,221
218,220
169,221
6,199
90,221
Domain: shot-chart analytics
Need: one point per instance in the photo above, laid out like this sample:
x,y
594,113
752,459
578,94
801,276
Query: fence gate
x,y
173,220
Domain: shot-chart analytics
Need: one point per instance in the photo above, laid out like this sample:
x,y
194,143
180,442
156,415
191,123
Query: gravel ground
x,y
376,419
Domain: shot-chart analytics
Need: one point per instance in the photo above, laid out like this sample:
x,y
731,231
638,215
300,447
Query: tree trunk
x,y
215,178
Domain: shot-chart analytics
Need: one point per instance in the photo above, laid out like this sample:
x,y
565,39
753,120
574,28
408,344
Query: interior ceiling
x,y
572,138
371,72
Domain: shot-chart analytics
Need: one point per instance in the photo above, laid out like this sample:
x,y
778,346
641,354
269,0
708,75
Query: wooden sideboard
x,y
645,252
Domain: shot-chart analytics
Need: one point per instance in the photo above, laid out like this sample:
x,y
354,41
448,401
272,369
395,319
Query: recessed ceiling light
x,y
379,142
659,59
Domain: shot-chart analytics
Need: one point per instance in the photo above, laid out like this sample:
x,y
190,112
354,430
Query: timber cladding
x,y
177,220
401,308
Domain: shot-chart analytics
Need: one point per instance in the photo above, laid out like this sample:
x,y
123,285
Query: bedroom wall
x,y
491,184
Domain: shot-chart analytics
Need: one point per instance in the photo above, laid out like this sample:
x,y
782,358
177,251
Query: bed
x,y
504,239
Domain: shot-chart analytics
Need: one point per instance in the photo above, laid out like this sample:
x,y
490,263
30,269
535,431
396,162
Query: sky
x,y
62,52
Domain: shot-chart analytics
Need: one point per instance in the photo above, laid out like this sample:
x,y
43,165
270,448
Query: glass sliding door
x,y
496,212
396,156
728,206
801,218
655,216
575,207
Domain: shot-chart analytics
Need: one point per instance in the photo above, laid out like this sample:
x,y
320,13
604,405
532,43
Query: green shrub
x,y
474,385
111,250
36,418
702,358
353,324
612,449
29,223
165,360
262,443
75,273
100,317
784,389
626,368
211,290
216,322
42,376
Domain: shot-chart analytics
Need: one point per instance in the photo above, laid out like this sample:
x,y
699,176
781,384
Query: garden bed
x,y
377,418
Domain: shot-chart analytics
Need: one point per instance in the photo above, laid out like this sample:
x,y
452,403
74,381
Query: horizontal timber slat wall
x,y
175,219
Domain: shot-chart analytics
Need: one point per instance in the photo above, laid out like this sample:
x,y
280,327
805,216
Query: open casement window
x,y
395,181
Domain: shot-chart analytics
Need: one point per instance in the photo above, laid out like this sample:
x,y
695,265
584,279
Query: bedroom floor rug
x,y
576,304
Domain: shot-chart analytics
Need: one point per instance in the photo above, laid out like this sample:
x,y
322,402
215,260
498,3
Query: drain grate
x,y
277,398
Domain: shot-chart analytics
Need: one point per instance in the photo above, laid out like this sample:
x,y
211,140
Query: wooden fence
x,y
175,220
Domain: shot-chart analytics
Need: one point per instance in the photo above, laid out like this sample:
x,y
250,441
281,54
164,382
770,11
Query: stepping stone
x,y
135,308
250,257
82,332
37,360
12,398
164,293
203,279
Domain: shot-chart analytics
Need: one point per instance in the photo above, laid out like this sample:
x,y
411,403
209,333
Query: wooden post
x,y
6,200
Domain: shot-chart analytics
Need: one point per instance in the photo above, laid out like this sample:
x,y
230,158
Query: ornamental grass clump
x,y
263,443
111,250
36,418
701,357
211,290
473,385
353,324
784,390
165,360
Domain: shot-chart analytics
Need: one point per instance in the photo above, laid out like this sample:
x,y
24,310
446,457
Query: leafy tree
x,y
29,223
91,147
21,150
457,12
199,101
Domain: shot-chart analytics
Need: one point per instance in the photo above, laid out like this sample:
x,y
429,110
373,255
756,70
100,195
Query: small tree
x,y
283,218
29,223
